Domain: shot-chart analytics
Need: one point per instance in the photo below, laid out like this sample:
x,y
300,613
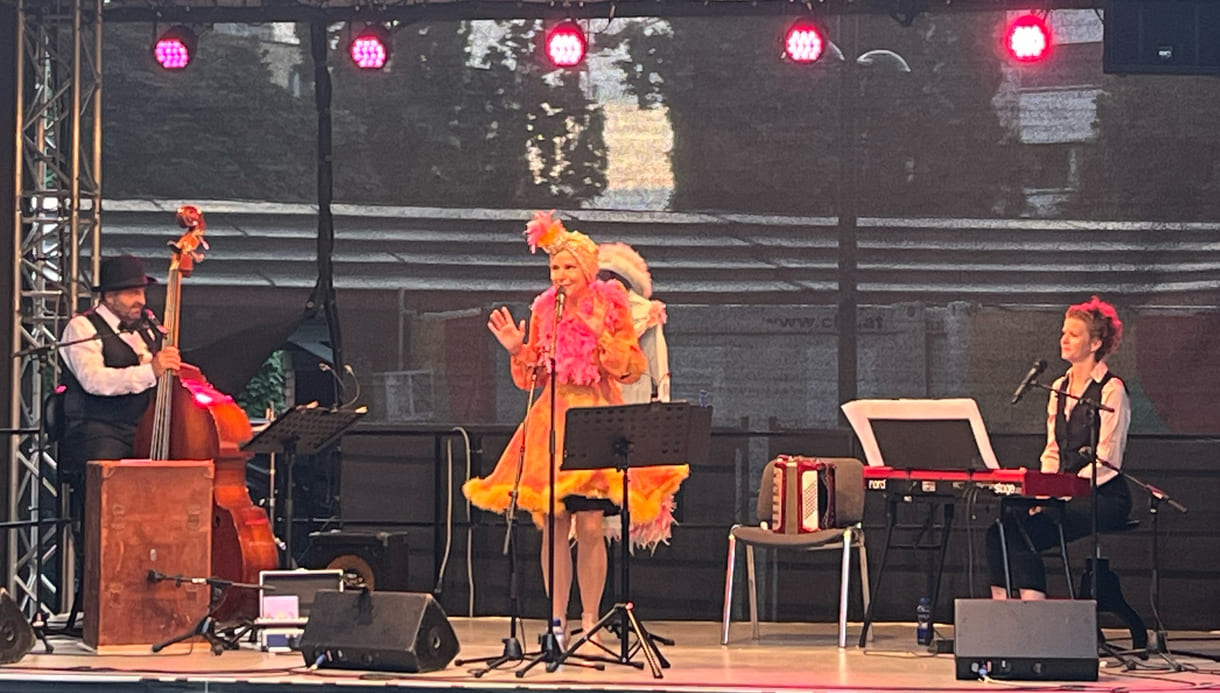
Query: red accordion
x,y
803,497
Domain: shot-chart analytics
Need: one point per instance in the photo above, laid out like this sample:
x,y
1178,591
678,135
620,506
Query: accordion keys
x,y
803,496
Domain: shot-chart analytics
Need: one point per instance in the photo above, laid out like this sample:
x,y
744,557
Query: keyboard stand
x,y
932,501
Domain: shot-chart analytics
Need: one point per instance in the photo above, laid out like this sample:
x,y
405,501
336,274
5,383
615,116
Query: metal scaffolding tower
x,y
57,189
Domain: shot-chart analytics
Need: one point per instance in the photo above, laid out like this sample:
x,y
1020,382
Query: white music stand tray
x,y
921,433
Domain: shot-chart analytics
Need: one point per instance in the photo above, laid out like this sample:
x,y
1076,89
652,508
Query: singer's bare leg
x,y
591,563
563,564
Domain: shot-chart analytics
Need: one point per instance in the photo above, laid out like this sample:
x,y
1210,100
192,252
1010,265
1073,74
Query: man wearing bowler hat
x,y
109,377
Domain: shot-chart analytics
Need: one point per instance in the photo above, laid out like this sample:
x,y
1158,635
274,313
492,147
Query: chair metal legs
x,y
844,586
851,535
753,586
728,590
864,583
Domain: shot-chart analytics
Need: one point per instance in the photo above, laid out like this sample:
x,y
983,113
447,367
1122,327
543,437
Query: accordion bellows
x,y
803,495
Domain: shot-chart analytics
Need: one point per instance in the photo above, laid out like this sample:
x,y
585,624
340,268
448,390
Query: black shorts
x,y
579,504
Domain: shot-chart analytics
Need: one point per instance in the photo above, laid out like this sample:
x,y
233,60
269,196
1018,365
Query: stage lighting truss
x,y
370,48
175,48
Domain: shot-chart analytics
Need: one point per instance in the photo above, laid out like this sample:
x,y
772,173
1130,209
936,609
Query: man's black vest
x,y
80,405
1072,432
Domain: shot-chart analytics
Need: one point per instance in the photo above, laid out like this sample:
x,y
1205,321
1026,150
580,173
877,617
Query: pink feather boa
x,y
576,359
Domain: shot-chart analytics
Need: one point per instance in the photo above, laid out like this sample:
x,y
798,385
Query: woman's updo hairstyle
x,y
1103,323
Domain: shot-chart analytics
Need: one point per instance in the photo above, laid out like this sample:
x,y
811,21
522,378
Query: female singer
x,y
594,348
1091,331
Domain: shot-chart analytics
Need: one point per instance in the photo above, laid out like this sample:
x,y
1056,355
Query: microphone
x,y
339,382
327,368
1029,379
150,319
560,297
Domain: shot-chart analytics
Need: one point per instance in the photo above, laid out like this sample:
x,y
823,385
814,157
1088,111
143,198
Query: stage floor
x,y
788,656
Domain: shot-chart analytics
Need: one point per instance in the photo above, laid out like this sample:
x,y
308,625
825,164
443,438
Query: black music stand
x,y
622,437
305,429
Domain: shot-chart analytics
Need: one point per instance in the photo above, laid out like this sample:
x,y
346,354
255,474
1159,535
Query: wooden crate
x,y
142,516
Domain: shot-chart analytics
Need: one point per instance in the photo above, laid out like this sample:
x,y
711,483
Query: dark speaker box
x,y
380,631
16,634
1173,37
373,560
1052,639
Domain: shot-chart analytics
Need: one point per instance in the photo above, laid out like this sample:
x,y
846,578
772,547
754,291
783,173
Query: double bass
x,y
191,420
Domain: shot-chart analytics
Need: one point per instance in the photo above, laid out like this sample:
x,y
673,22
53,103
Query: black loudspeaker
x,y
1170,37
379,631
1052,639
373,560
16,634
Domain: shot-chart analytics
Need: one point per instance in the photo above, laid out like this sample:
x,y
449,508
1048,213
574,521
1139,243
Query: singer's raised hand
x,y
168,359
511,335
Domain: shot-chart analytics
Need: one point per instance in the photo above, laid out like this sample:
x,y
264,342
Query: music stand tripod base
x,y
619,438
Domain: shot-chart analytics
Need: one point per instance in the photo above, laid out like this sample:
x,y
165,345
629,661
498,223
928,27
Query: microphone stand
x,y
1096,563
42,352
1155,497
552,651
1090,456
206,627
513,651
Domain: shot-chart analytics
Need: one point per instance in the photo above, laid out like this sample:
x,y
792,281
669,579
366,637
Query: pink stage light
x,y
804,42
566,44
1028,39
175,48
370,49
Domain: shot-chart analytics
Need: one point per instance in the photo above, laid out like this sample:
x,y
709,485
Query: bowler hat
x,y
122,272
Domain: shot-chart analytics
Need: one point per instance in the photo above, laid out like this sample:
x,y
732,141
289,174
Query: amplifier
x,y
803,495
373,560
1053,640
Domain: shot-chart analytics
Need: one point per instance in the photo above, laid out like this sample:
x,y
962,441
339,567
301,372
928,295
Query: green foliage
x,y
266,389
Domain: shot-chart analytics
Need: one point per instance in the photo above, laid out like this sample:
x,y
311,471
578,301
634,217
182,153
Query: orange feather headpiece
x,y
546,232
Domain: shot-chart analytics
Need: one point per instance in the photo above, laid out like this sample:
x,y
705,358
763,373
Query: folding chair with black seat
x,y
848,533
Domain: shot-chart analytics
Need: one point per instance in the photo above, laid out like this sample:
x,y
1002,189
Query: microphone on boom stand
x,y
1028,380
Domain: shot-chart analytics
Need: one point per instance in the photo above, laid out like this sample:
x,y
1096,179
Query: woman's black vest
x,y
80,405
1072,432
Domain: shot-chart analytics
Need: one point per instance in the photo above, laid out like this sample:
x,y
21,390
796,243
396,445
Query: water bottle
x,y
923,622
555,633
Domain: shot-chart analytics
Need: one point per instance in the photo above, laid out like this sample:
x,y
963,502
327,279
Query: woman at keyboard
x,y
1091,332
